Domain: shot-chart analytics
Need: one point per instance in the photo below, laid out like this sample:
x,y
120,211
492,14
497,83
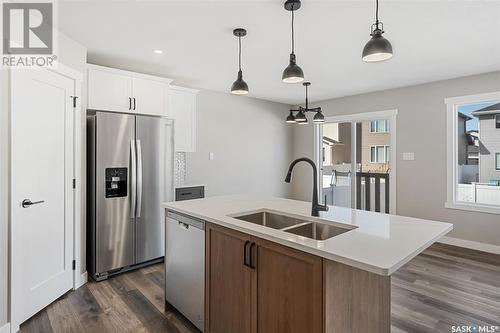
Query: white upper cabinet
x,y
109,91
149,97
182,108
112,89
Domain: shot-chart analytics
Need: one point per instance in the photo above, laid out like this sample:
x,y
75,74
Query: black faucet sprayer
x,y
316,207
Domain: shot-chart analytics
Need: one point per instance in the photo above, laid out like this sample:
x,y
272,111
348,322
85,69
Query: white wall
x,y
421,121
251,142
71,54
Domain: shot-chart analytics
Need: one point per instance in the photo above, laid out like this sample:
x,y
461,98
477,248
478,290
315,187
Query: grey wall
x,y
421,128
251,142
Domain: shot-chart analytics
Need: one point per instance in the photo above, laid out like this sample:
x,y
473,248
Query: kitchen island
x,y
271,267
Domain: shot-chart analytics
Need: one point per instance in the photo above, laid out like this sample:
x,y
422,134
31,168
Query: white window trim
x,y
377,131
385,153
390,115
452,103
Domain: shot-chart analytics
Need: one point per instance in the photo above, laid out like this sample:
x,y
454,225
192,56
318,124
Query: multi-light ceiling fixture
x,y
239,86
293,73
378,48
300,117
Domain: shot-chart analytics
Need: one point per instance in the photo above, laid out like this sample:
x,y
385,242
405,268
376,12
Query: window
x,y
379,154
473,152
379,126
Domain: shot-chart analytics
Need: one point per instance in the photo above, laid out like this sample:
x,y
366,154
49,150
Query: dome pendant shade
x,y
239,86
319,118
291,118
378,48
293,73
300,117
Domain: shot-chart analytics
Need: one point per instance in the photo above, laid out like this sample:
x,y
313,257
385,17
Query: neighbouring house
x,y
489,143
375,146
372,156
463,138
472,147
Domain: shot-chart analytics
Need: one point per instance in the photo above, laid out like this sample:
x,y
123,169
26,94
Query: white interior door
x,y
42,172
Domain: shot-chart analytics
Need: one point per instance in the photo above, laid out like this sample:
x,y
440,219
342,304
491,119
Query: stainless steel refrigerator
x,y
129,174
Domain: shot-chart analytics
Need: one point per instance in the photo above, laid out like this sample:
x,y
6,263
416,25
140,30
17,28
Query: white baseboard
x,y
5,328
80,280
490,248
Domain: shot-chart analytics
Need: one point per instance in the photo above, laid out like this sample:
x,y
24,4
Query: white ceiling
x,y
432,40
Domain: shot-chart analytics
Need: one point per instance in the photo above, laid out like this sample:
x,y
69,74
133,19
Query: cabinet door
x,y
183,110
289,289
149,97
109,91
228,282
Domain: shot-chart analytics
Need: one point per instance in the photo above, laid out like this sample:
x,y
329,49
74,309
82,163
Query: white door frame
x,y
78,228
391,115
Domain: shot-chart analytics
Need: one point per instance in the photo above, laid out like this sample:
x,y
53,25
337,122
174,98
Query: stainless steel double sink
x,y
300,227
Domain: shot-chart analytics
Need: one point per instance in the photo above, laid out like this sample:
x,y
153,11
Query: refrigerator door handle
x,y
139,178
133,179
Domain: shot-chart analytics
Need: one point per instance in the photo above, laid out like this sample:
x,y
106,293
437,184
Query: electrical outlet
x,y
409,156
211,156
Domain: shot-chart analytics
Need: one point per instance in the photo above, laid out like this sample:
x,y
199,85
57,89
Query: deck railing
x,y
367,177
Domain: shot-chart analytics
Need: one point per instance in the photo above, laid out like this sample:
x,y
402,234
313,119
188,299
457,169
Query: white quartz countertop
x,y
379,243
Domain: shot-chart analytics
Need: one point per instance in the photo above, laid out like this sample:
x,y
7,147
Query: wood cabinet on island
x,y
270,267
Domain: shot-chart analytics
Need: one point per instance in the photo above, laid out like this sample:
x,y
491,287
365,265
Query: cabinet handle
x,y
252,264
130,103
245,254
134,103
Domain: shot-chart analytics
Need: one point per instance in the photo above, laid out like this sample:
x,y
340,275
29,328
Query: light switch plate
x,y
211,156
409,156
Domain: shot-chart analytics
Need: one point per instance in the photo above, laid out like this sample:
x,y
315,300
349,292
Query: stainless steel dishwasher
x,y
185,266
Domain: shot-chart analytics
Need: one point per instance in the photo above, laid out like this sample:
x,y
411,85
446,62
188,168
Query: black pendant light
x,y
378,48
293,73
300,117
239,86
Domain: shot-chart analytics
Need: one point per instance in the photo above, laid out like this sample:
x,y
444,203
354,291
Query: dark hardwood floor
x,y
443,286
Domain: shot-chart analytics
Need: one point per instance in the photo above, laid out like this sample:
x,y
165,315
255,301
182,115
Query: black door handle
x,y
134,103
252,264
245,253
130,103
26,203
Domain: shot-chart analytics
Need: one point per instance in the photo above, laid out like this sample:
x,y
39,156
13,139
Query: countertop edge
x,y
384,271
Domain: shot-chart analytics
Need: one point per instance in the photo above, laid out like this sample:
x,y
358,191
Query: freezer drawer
x,y
185,266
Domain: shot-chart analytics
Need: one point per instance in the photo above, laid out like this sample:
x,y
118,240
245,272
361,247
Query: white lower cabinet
x,y
182,108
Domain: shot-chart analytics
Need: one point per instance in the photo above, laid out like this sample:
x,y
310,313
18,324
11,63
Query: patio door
x,y
354,157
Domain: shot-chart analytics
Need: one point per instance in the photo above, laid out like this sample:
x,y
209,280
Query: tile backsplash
x,y
179,168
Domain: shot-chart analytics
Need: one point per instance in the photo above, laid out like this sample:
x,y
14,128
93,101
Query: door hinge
x,y
74,183
74,100
74,264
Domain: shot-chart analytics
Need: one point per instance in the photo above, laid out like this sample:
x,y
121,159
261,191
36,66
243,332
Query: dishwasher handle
x,y
186,221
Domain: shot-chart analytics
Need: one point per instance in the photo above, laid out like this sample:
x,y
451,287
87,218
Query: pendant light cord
x,y
293,37
239,53
376,13
307,100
